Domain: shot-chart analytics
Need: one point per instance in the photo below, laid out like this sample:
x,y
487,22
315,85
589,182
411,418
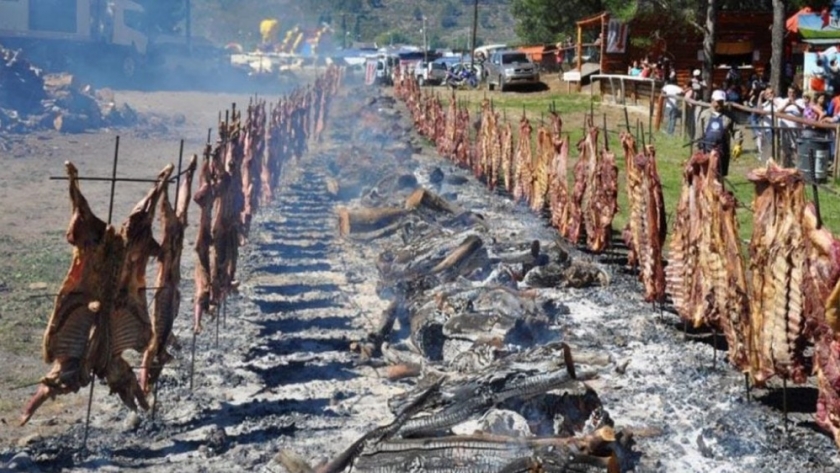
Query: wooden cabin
x,y
743,39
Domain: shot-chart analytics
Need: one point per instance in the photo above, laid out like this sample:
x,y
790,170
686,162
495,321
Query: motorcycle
x,y
461,77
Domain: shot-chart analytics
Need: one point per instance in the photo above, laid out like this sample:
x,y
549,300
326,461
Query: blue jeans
x,y
672,113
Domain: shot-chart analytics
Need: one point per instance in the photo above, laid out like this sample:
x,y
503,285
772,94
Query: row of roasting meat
x,y
101,309
772,307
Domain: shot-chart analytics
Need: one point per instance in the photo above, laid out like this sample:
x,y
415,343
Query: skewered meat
x,y
523,162
722,301
167,299
204,198
683,276
573,228
225,226
654,228
823,269
129,326
85,298
507,161
100,310
545,152
827,367
604,205
599,201
646,228
777,273
633,231
558,179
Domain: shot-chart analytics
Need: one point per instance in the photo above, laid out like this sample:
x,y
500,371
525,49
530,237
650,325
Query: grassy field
x,y
671,151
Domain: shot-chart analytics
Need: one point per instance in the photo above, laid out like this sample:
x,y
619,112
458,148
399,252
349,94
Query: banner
x,y
616,37
824,24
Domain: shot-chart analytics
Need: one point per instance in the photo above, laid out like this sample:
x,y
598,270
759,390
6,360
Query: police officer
x,y
716,131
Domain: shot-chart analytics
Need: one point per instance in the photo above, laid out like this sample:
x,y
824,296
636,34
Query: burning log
x,y
356,221
422,198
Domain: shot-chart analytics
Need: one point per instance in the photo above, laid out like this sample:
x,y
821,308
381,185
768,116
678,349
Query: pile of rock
x,y
31,100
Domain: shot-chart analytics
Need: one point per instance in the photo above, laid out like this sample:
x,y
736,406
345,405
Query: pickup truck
x,y
431,73
506,68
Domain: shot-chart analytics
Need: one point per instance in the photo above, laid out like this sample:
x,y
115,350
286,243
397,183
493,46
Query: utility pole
x,y
474,26
425,43
344,28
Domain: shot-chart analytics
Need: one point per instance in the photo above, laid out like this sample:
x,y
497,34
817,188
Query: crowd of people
x,y
821,106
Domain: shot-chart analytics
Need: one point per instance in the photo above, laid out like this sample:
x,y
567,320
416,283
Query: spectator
x,y
697,83
635,69
733,93
672,109
716,131
733,76
647,72
789,129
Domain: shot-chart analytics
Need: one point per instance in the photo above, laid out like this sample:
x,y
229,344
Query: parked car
x,y
506,68
432,73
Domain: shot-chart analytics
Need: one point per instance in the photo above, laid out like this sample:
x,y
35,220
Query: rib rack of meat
x,y
603,202
86,296
129,326
777,272
822,284
646,228
558,190
523,162
545,153
683,276
572,230
507,156
724,301
167,298
595,196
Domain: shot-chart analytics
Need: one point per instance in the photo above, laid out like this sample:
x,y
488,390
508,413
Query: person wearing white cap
x,y
697,88
716,131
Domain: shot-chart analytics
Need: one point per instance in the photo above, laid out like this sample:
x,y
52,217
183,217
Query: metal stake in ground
x,y
814,185
192,359
96,317
747,385
784,403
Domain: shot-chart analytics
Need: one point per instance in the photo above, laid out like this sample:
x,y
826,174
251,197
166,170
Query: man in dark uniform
x,y
716,131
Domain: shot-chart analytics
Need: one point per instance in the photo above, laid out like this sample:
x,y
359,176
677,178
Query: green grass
x,y
24,311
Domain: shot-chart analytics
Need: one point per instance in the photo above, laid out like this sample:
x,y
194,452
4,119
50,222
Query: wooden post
x,y
836,152
580,56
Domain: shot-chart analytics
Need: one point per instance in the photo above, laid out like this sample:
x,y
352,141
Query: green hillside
x,y
383,21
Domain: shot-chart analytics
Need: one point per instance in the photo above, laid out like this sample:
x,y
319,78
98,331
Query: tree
x,y
777,40
539,21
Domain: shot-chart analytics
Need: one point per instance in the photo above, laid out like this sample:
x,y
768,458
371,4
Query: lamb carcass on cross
x,y
87,295
167,299
129,326
101,309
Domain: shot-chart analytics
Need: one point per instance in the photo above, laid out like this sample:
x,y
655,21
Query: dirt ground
x,y
36,213
273,382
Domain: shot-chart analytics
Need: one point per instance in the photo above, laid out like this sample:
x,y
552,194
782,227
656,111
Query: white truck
x,y
58,33
111,40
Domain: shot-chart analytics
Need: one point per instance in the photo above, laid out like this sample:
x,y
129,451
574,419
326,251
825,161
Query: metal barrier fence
x,y
780,133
